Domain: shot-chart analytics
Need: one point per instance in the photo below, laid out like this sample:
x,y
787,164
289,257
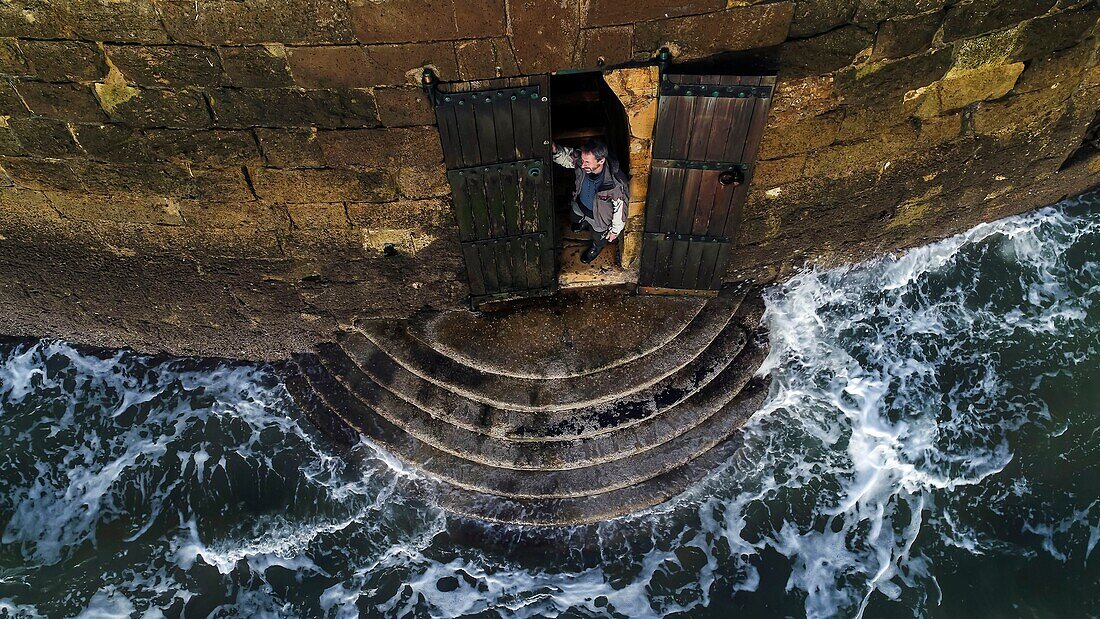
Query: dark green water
x,y
929,448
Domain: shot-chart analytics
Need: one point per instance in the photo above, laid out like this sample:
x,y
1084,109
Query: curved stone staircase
x,y
532,417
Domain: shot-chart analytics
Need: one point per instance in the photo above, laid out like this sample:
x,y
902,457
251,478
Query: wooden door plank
x,y
672,201
702,123
655,199
701,196
547,263
502,119
662,132
521,125
661,261
509,197
448,135
677,263
706,264
692,263
484,109
706,202
494,202
721,263
474,271
532,262
488,260
479,208
461,206
467,132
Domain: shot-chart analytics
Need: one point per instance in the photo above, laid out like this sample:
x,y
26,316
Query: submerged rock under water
x,y
927,447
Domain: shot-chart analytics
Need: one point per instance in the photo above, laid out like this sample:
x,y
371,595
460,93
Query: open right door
x,y
705,146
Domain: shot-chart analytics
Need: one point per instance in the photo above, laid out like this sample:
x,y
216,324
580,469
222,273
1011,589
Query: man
x,y
600,195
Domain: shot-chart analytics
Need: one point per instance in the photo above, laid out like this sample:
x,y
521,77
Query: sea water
x,y
929,447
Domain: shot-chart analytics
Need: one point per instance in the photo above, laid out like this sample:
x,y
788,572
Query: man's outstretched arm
x,y
564,156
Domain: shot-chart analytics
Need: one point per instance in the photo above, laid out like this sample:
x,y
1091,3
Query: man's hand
x,y
611,236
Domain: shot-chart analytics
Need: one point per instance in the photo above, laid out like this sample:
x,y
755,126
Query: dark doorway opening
x,y
583,107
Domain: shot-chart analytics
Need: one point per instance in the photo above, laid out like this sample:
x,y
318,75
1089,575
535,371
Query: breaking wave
x,y
928,448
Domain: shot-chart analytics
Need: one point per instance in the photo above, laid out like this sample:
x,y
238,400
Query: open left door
x,y
496,144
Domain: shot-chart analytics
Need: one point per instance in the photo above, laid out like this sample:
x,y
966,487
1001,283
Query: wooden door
x,y
705,145
496,145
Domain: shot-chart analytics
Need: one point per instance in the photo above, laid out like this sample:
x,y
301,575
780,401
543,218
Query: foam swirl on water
x,y
927,448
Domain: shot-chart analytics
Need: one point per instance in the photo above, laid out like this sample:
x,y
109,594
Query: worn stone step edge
x,y
559,455
420,333
542,395
576,511
530,484
385,374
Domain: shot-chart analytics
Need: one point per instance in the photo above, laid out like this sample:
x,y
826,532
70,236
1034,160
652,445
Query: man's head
x,y
593,156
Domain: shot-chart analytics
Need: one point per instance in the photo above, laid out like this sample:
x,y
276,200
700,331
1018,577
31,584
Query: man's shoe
x,y
579,226
590,254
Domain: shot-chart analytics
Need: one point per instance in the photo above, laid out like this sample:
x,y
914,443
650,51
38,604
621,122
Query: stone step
x,y
365,367
531,394
629,438
462,473
599,507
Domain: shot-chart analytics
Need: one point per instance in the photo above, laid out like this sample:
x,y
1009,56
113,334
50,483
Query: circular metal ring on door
x,y
534,171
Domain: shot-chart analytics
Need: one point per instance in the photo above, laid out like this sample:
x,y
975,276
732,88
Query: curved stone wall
x,y
221,176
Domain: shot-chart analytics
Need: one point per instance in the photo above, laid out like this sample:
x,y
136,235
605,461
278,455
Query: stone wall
x,y
222,176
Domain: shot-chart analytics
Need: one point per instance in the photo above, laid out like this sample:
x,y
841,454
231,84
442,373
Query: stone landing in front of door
x,y
569,410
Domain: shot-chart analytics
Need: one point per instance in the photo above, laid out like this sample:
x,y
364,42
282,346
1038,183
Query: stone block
x,y
12,61
845,159
9,145
308,186
382,148
242,22
403,64
256,66
871,12
939,129
403,107
778,171
1013,116
293,107
817,16
112,143
404,21
734,29
480,18
290,148
45,137
40,19
162,180
353,66
109,20
41,174
65,61
416,182
121,208
1062,69
824,53
215,148
485,59
802,98
961,87
11,104
974,18
159,108
256,215
74,102
434,213
801,136
1045,35
904,36
864,121
606,46
544,34
319,215
885,83
993,48
615,12
167,65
